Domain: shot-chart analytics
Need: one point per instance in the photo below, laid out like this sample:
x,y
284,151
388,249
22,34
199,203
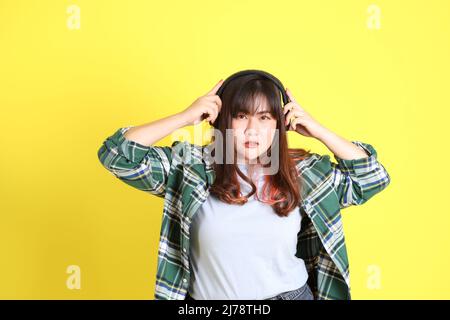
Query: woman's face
x,y
253,133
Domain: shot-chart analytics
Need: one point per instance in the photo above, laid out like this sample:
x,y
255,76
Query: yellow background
x,y
63,90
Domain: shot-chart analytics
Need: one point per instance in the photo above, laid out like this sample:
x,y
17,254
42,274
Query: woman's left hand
x,y
300,120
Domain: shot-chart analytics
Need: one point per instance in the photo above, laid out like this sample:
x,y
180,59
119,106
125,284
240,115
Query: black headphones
x,y
257,72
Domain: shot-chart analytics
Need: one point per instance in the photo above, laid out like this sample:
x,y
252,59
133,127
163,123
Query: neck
x,y
251,168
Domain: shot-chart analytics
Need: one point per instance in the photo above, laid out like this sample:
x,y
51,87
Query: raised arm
x,y
129,153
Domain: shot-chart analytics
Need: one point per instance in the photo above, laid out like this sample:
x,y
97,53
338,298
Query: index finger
x,y
214,90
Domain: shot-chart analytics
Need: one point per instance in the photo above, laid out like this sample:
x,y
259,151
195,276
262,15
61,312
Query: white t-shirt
x,y
244,251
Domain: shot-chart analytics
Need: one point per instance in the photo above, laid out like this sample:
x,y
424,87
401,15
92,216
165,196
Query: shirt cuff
x,y
362,165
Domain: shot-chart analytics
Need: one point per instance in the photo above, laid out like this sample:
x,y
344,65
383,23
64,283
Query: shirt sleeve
x,y
357,180
143,167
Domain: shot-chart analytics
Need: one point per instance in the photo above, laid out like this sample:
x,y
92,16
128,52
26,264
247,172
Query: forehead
x,y
257,105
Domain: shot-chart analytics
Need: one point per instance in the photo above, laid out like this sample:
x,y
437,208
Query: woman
x,y
247,228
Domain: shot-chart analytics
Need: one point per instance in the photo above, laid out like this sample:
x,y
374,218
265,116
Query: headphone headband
x,y
257,72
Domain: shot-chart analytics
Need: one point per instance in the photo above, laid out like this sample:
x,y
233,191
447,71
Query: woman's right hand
x,y
205,107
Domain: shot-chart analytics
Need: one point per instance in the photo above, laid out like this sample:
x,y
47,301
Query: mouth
x,y
251,144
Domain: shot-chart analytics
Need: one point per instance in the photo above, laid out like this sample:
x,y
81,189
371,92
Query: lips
x,y
251,144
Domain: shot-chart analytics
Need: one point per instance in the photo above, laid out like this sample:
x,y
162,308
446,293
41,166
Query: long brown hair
x,y
282,188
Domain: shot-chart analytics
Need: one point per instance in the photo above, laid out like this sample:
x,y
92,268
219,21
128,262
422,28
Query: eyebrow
x,y
259,112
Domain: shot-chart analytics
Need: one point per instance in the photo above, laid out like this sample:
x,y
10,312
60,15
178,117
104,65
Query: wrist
x,y
182,116
321,133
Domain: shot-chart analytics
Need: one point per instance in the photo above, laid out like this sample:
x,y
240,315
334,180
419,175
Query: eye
x,y
240,115
265,117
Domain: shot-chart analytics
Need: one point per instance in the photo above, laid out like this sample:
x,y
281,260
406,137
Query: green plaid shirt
x,y
181,175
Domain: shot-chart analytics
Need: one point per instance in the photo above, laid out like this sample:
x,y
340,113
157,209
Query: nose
x,y
252,124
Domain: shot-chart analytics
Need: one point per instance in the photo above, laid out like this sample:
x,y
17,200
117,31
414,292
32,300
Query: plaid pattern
x,y
182,173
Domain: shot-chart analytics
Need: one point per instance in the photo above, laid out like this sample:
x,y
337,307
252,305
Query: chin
x,y
249,156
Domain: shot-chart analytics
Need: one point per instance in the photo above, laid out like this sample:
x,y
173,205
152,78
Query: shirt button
x,y
184,280
184,249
